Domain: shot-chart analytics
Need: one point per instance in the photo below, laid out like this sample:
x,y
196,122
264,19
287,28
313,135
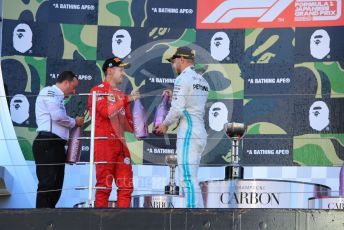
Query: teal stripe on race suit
x,y
190,186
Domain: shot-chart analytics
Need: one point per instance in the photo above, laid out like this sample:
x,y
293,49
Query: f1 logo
x,y
266,10
220,14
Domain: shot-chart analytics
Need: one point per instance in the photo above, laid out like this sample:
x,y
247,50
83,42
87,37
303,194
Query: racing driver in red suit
x,y
112,119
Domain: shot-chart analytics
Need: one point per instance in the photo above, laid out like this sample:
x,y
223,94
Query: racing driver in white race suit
x,y
189,97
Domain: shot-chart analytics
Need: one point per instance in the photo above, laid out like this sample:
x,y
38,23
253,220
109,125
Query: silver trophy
x,y
172,188
235,131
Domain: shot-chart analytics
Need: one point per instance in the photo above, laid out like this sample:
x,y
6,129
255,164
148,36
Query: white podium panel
x,y
260,193
332,202
158,201
112,204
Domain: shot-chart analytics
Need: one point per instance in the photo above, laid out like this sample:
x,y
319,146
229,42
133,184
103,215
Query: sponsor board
x,y
326,203
259,193
268,13
270,149
74,11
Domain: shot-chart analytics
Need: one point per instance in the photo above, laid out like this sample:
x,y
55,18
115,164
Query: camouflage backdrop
x,y
286,84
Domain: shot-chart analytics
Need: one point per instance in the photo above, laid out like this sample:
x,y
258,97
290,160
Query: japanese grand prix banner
x,y
277,66
219,14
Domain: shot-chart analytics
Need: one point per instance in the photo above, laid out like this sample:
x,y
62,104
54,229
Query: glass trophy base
x,y
234,172
172,190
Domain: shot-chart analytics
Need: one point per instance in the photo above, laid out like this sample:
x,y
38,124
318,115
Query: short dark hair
x,y
66,75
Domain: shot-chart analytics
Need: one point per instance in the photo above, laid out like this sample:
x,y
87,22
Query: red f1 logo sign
x,y
213,14
266,10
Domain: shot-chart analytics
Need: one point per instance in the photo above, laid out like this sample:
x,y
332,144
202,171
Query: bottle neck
x,y
164,99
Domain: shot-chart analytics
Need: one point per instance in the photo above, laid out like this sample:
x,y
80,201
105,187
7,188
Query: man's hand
x,y
79,121
169,93
135,94
160,129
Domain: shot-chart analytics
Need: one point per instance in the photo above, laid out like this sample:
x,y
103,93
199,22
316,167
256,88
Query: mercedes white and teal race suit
x,y
190,95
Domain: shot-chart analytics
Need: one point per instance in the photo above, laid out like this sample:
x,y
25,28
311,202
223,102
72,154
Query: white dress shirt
x,y
51,115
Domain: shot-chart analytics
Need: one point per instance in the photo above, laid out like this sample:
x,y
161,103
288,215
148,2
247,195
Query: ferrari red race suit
x,y
113,117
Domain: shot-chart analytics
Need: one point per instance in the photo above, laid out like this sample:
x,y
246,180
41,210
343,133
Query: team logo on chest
x,y
126,160
122,111
111,98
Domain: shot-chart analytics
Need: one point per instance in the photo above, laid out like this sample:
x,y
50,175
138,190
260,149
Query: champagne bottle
x,y
161,112
139,120
341,182
74,146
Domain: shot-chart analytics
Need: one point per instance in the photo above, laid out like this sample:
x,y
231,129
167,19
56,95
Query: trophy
x,y
171,188
235,131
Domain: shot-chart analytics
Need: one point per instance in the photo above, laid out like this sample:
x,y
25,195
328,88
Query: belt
x,y
47,134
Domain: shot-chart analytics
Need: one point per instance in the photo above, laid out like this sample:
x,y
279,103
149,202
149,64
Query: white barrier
x,y
11,154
